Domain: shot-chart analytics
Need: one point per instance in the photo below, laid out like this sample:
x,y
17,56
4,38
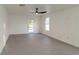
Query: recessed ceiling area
x,y
29,8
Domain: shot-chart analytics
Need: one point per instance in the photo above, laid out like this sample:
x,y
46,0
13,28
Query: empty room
x,y
39,29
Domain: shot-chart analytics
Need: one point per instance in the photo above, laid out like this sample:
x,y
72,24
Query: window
x,y
47,24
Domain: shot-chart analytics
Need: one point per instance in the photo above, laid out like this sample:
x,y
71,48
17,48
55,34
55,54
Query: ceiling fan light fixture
x,y
36,13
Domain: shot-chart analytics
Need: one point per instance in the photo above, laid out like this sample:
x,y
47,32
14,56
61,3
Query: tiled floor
x,y
37,44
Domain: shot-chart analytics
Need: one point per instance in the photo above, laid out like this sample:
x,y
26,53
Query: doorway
x,y
31,26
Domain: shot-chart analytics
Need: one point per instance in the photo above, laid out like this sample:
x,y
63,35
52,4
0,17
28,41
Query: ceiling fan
x,y
37,12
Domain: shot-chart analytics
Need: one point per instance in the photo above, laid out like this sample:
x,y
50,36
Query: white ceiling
x,y
28,8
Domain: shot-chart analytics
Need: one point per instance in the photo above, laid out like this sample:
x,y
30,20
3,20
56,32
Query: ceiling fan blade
x,y
42,12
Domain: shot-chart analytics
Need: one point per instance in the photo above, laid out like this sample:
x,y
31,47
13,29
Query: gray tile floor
x,y
37,44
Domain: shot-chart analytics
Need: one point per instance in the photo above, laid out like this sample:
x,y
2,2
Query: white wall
x,y
64,25
3,27
18,24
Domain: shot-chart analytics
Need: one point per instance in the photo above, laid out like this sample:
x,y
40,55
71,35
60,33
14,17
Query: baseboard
x,y
61,41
